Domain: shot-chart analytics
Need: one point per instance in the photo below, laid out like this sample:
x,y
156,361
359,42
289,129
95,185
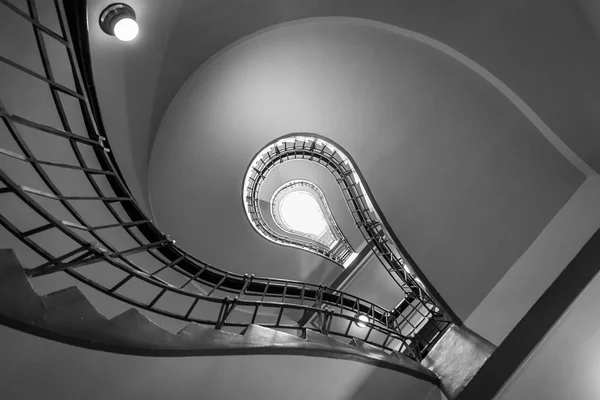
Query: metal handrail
x,y
93,248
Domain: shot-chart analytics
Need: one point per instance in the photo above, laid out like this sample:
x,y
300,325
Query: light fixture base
x,y
113,14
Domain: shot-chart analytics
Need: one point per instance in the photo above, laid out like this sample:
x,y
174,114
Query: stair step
x,y
261,336
200,336
320,338
18,300
137,329
70,312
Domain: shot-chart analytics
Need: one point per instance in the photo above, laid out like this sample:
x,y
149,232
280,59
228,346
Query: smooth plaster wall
x,y
539,265
544,50
591,9
34,368
565,364
464,178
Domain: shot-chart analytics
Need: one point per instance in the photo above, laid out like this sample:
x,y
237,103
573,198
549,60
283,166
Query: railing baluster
x,y
218,285
120,283
193,278
266,289
171,264
350,322
302,293
189,311
371,322
254,313
153,302
38,230
247,281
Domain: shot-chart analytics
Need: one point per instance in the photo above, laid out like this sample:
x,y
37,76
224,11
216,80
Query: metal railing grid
x,y
336,311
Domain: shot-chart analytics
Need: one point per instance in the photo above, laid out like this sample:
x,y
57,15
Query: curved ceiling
x,y
546,52
452,162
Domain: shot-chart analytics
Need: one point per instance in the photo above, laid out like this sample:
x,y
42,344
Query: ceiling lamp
x,y
119,20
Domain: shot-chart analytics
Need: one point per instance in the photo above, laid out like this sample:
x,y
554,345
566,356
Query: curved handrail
x,y
250,291
362,206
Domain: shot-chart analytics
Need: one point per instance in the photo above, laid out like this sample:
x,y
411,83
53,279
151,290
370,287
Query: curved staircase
x,y
68,316
279,316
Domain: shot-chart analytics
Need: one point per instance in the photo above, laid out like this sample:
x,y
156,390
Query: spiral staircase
x,y
223,313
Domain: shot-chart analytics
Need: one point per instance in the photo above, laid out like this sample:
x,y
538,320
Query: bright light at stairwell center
x,y
119,20
301,212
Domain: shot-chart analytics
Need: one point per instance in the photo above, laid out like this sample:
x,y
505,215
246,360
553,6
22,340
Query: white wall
x,y
565,365
544,50
540,265
452,162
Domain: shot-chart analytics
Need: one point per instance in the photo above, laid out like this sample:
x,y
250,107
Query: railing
x,y
333,245
416,300
182,286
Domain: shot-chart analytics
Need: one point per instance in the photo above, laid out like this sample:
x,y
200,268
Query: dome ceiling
x,y
452,162
546,52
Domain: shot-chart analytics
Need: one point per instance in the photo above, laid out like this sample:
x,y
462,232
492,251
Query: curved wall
x,y
464,178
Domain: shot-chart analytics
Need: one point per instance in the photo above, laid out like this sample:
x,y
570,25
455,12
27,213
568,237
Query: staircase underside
x,y
68,316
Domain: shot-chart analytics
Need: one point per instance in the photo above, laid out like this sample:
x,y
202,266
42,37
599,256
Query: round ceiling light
x,y
119,20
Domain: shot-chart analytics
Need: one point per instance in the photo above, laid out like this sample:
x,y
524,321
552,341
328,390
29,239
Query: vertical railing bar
x,y
254,313
171,264
39,229
228,310
266,289
189,311
283,302
221,311
153,302
120,283
193,278
371,322
247,281
302,292
218,284
350,321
